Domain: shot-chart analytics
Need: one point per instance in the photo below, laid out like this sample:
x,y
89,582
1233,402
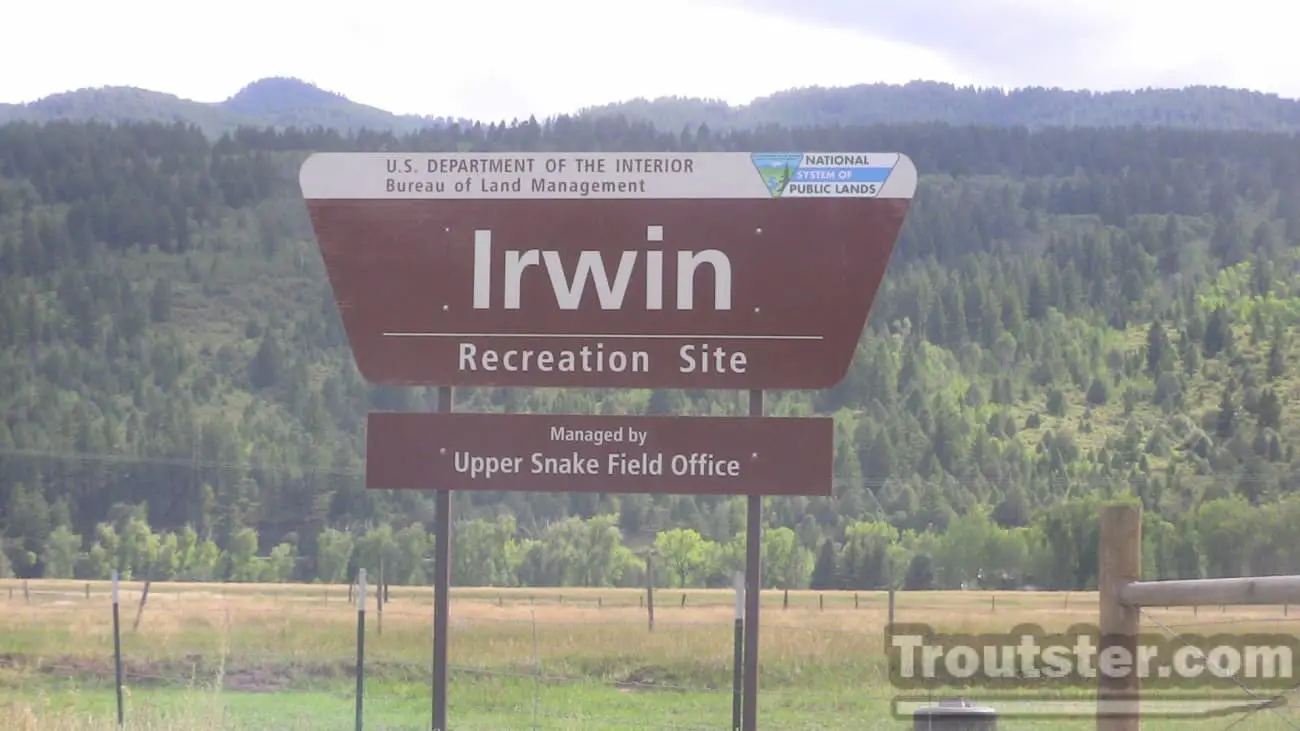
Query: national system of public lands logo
x,y
777,169
820,174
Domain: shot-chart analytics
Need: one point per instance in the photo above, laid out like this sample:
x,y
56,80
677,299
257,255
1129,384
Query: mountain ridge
x,y
260,103
282,101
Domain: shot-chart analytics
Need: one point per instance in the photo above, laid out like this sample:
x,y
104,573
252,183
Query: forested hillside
x,y
1071,315
929,101
284,102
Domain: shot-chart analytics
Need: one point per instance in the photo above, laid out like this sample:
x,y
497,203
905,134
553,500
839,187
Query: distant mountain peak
x,y
279,94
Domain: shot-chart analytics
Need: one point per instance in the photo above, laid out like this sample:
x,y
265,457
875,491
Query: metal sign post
x,y
441,586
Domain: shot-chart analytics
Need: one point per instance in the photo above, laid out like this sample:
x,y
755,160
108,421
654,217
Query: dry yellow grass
x,y
490,624
282,637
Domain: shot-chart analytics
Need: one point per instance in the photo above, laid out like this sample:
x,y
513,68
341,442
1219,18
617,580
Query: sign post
x,y
441,584
605,270
754,587
738,651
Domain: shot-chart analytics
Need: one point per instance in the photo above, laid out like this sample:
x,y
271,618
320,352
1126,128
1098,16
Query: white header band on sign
x,y
624,175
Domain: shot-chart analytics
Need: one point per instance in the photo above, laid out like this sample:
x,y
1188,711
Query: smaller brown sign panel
x,y
620,454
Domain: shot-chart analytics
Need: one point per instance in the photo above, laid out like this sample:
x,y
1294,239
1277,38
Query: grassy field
x,y
261,656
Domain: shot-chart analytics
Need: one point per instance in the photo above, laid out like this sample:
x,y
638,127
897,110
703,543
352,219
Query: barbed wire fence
x,y
1274,702
547,659
538,688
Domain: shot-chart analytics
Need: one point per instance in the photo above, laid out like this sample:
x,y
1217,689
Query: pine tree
x,y
1276,359
1268,410
824,577
1225,424
1218,334
1157,346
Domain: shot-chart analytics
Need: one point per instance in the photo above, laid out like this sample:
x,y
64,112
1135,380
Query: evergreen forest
x,y
1070,316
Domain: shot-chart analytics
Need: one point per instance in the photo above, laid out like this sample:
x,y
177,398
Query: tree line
x,y
1058,550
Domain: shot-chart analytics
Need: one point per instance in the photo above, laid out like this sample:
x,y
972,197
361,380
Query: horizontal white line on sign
x,y
606,336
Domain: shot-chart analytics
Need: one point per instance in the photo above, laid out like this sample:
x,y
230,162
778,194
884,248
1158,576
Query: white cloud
x,y
488,58
1100,44
497,59
1242,43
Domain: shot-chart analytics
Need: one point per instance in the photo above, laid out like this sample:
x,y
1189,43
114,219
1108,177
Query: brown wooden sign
x,y
707,270
623,454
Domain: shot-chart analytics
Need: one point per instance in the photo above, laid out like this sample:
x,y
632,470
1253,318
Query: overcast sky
x,y
499,59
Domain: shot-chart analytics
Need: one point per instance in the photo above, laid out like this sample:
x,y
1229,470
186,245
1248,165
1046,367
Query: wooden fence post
x,y
650,590
144,597
1120,553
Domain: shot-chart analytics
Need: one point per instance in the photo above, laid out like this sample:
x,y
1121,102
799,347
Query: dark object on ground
x,y
955,714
